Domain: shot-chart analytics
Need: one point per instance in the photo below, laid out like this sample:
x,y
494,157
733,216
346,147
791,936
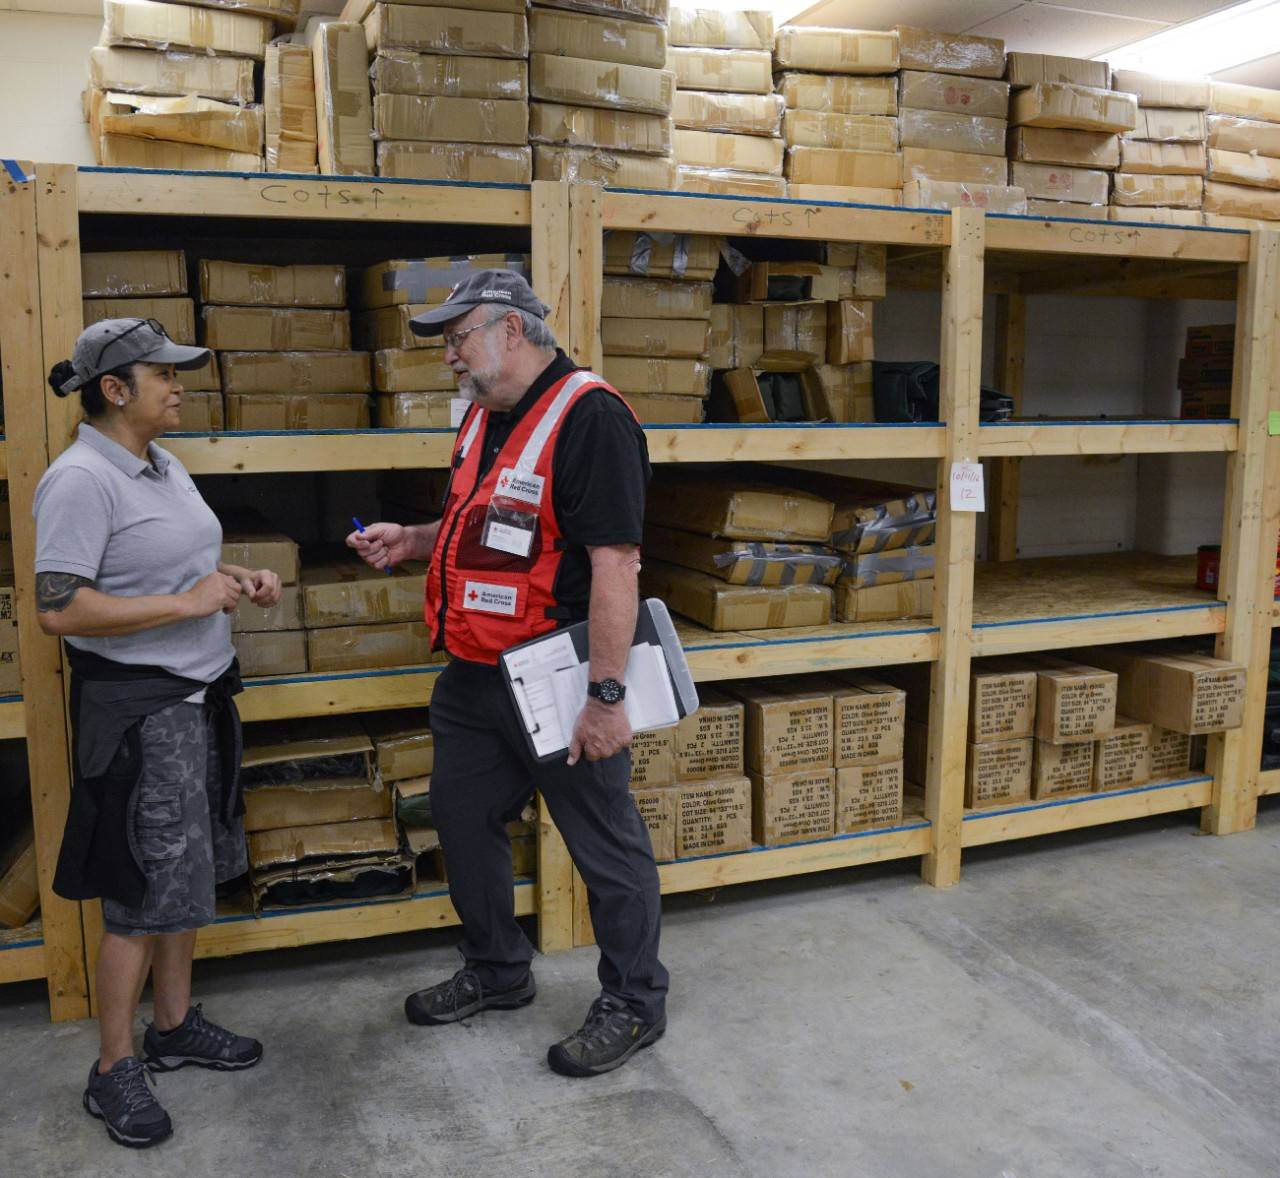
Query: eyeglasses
x,y
453,339
155,326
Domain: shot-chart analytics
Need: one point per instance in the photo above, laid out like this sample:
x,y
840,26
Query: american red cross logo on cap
x,y
472,595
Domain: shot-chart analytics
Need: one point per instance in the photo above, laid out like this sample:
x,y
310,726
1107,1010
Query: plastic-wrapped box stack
x,y
655,324
601,92
289,105
728,135
450,90
172,85
1242,188
1064,138
952,117
841,118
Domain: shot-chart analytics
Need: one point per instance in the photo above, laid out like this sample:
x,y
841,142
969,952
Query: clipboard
x,y
546,679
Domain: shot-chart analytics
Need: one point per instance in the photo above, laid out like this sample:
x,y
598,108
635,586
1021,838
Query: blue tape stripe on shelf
x,y
837,838
17,173
1115,613
1111,224
974,816
274,177
1092,421
335,676
4,948
10,699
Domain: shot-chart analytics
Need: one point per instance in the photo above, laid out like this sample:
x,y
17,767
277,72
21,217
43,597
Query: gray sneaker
x,y
123,1101
612,1034
200,1043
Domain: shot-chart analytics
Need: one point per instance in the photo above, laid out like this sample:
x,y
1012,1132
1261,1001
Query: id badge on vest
x,y
511,520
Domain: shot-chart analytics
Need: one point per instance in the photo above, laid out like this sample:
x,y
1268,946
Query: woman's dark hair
x,y
91,398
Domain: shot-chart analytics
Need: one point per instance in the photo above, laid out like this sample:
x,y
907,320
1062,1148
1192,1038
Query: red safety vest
x,y
481,600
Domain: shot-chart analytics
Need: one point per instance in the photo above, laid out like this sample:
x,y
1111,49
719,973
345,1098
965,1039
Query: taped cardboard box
x,y
177,315
670,338
249,541
858,169
658,809
957,167
414,117
710,28
250,285
653,758
793,807
312,803
1122,758
584,126
709,743
600,83
1062,769
783,388
303,372
418,410
471,162
655,298
949,53
359,9
850,337
618,169
890,567
175,26
796,333
200,412
282,13
1074,701
271,652
19,880
150,71
185,119
868,718
1078,108
412,370
1228,133
272,848
744,562
845,194
1031,69
655,12
1237,167
1170,753
1152,90
717,606
1155,216
997,773
1058,183
455,32
597,38
659,409
133,274
868,796
348,592
839,95
354,648
286,614
883,603
835,51
811,128
1240,200
428,280
941,194
863,268
739,114
275,329
737,334
737,510
1184,192
871,517
1246,102
402,71
344,115
729,71
289,108
292,411
1072,149
728,182
657,374
10,664
691,256
788,724
845,392
1002,702
402,743
1066,209
128,151
713,817
949,93
1168,126
1169,159
745,153
389,327
948,131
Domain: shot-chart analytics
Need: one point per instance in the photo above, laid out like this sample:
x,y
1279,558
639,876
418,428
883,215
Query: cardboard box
x,y
712,149
584,126
658,809
941,194
862,169
601,83
997,773
248,285
1239,200
450,31
309,803
658,409
1060,209
845,392
1134,213
127,151
959,167
729,71
738,114
133,273
713,817
1031,69
597,38
1170,753
1228,133
303,372
356,648
1169,159
845,194
744,562
1246,102
277,329
797,332
186,119
402,71
835,51
402,743
1123,757
868,795
289,109
418,410
400,370
727,182
788,723
812,128
200,413
863,268
1072,149
883,603
868,718
839,95
271,652
955,95
348,592
10,664
344,116
1154,91
741,511
948,131
1237,167
282,13
148,71
850,338
1053,182
1062,769
783,388
655,298
653,758
657,374
269,848
658,338
178,315
1168,126
286,614
1213,339
428,280
1074,701
793,807
618,169
388,327
1002,702
177,26
1078,108
294,411
737,335
709,743
950,53
717,606
1186,192
710,28
249,541
19,880
415,118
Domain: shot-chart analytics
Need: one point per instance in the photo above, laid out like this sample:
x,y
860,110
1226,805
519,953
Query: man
x,y
541,528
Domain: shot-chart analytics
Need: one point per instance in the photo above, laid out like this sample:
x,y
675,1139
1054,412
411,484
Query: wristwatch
x,y
607,691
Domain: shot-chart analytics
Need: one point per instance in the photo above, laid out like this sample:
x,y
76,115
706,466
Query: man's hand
x,y
261,586
382,545
601,731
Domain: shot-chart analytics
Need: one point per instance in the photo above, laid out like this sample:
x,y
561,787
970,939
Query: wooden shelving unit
x,y
981,609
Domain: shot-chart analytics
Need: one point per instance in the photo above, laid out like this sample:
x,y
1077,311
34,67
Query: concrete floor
x,y
1095,1005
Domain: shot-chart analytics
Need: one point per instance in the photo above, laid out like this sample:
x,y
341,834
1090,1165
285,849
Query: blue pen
x,y
360,529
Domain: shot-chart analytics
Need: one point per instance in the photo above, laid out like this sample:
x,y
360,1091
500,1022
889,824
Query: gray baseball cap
x,y
503,288
113,343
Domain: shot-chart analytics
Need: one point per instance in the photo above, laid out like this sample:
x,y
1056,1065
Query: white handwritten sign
x,y
967,493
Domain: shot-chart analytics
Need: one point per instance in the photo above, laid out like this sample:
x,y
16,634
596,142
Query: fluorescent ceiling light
x,y
1241,33
783,10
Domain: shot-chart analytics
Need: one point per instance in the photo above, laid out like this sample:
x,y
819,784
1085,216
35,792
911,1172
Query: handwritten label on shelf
x,y
967,492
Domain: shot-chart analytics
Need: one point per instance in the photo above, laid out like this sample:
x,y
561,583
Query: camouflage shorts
x,y
178,833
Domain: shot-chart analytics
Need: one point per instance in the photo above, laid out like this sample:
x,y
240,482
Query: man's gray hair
x,y
536,330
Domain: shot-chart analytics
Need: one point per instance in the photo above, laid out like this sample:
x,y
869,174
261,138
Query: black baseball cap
x,y
502,288
113,343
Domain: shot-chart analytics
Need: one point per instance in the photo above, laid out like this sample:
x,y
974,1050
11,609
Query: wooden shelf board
x,y
1052,603
287,697
22,953
1006,231
325,198
716,442
1026,439
1268,782
759,863
239,931
13,722
1002,824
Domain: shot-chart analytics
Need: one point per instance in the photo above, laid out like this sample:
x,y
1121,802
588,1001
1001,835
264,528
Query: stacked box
x,y
868,740
403,758
728,121
1242,185
1003,763
451,91
289,108
1205,371
267,641
344,112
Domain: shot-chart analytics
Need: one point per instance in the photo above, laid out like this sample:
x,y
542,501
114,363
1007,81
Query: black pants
x,y
483,775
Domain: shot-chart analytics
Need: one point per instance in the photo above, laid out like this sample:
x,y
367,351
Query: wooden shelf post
x,y
1010,364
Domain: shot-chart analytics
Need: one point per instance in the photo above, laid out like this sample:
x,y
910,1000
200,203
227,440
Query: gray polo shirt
x,y
134,528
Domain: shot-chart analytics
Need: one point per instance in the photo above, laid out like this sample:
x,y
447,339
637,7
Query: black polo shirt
x,y
600,472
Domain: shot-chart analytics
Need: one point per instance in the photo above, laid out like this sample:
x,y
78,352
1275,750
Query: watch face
x,y
609,691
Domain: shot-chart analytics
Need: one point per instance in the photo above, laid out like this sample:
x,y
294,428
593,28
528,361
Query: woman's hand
x,y
207,596
261,586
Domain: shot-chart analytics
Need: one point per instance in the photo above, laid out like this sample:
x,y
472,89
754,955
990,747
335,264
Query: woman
x,y
128,572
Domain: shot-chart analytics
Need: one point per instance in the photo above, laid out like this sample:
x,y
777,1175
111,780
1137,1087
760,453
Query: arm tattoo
x,y
54,591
